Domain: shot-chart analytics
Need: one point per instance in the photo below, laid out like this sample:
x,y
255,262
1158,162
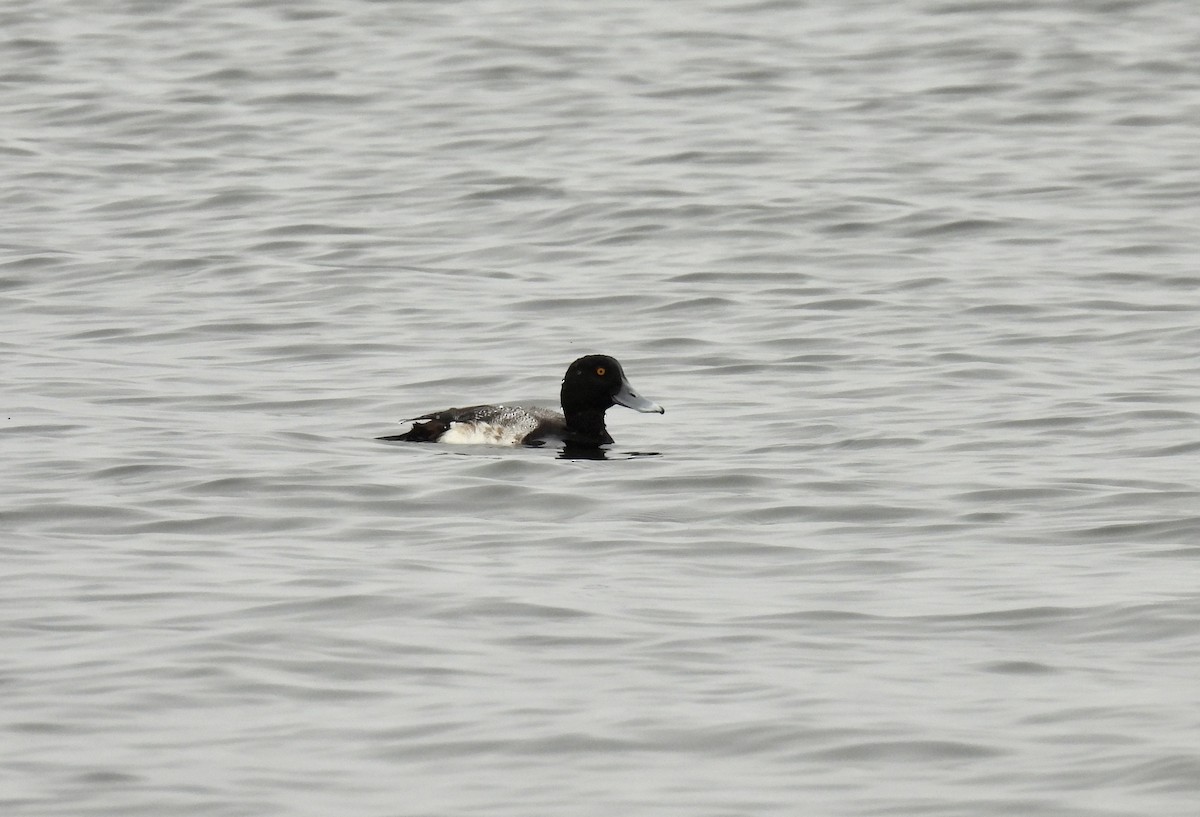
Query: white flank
x,y
482,434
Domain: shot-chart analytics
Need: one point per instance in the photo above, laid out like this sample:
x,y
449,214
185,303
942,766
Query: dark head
x,y
591,385
598,382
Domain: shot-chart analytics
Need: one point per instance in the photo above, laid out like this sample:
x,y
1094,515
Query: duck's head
x,y
596,382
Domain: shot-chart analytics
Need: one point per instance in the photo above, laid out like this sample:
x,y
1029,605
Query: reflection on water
x,y
576,452
566,452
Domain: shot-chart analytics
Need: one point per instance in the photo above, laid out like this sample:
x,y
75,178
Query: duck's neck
x,y
586,427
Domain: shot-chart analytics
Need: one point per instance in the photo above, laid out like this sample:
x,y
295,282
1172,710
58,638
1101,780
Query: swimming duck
x,y
590,387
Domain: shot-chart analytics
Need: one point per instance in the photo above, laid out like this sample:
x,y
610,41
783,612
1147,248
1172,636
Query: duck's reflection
x,y
582,452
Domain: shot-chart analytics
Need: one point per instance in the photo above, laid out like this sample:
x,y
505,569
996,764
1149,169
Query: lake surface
x,y
917,283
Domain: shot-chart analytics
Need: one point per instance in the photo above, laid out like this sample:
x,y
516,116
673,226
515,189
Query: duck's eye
x,y
600,370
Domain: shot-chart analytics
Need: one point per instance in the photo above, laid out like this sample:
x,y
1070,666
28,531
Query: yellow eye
x,y
600,370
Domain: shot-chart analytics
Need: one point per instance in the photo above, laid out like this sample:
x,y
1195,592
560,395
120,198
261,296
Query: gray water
x,y
916,282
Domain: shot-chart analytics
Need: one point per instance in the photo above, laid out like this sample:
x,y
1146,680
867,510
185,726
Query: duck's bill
x,y
628,398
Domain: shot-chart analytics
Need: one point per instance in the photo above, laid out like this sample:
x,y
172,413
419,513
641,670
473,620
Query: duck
x,y
592,385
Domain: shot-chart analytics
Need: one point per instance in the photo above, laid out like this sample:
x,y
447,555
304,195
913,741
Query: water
x,y
915,281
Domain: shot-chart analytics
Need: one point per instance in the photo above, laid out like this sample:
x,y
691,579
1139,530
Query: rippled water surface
x,y
916,282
